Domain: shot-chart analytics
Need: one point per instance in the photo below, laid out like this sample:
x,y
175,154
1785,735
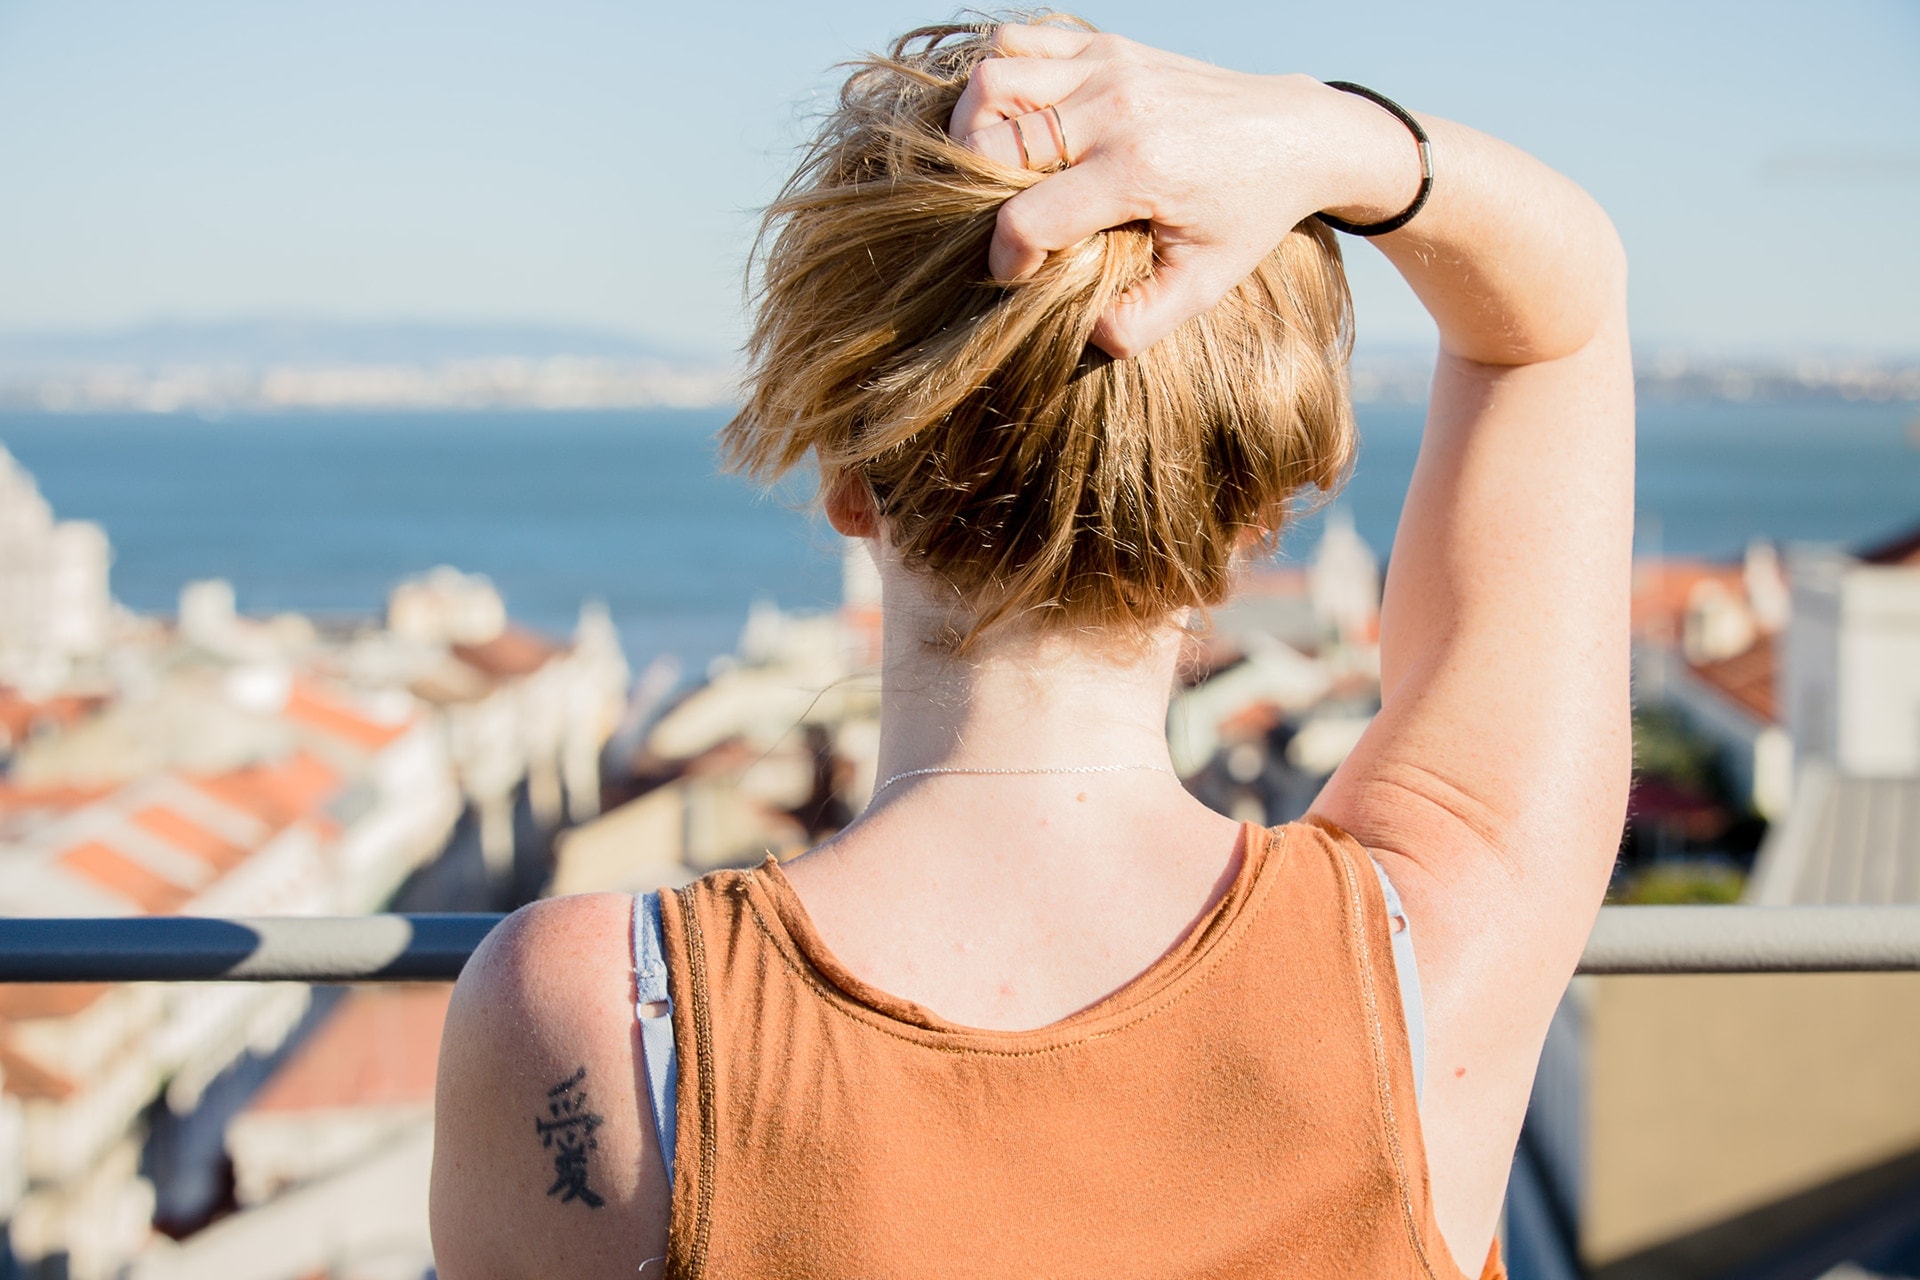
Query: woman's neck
x,y
1010,902
1018,699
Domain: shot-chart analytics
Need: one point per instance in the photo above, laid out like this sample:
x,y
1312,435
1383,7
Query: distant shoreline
x,y
559,384
269,364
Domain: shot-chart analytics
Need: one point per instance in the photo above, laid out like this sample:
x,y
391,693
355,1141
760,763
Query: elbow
x,y
1610,265
1579,303
1604,271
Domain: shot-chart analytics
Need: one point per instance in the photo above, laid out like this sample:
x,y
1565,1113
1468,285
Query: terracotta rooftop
x,y
19,714
29,1079
1746,679
189,837
124,877
1662,590
60,796
309,706
21,1000
278,793
516,651
379,1047
1255,720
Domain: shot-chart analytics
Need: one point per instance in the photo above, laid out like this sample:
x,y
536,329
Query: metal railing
x,y
417,948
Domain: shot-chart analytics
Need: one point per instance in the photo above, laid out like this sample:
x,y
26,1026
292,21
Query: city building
x,y
221,765
54,604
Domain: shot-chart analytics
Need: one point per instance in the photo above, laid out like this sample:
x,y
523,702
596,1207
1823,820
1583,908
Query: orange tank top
x,y
1244,1108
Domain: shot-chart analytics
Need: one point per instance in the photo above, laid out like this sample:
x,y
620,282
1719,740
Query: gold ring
x,y
1060,131
1020,137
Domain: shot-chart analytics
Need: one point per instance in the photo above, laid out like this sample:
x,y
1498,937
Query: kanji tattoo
x,y
567,1131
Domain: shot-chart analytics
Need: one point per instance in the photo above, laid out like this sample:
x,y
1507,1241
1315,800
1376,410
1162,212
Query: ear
x,y
850,506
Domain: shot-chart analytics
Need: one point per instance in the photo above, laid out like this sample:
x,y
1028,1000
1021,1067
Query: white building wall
x,y
1852,666
53,586
78,559
1812,656
1879,694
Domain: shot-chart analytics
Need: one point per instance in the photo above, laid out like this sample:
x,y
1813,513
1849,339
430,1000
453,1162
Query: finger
x,y
1039,40
1177,291
1036,140
1056,214
1001,88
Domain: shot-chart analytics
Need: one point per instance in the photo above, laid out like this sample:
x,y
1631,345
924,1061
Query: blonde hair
x,y
1045,482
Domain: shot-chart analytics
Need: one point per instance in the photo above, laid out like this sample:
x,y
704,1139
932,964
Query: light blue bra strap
x,y
653,1007
1409,974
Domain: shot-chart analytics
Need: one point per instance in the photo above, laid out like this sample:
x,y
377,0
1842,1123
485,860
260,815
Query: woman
x,y
1037,1011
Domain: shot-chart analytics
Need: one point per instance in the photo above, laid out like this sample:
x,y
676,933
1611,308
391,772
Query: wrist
x,y
1377,160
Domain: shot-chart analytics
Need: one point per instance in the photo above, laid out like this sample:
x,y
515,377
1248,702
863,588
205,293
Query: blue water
x,y
323,513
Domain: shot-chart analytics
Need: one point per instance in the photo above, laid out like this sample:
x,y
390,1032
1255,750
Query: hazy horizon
x,y
278,337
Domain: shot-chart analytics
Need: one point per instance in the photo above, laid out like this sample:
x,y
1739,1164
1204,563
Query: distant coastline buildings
x,y
275,365
283,365
1683,377
559,382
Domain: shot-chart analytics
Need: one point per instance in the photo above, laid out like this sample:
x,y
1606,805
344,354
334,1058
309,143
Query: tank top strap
x,y
653,1008
1407,970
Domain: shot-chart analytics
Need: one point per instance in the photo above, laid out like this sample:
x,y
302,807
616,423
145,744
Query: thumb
x,y
1180,288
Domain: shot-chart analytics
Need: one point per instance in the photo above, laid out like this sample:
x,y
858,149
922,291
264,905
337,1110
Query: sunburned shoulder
x,y
544,1158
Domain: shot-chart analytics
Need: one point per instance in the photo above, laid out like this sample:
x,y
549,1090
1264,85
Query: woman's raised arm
x,y
1493,783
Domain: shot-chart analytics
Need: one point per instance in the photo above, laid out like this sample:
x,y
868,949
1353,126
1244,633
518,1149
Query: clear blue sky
x,y
597,164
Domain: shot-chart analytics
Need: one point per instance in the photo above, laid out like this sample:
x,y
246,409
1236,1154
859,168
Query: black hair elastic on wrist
x,y
1405,117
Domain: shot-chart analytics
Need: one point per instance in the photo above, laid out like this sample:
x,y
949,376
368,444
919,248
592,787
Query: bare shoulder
x,y
544,1158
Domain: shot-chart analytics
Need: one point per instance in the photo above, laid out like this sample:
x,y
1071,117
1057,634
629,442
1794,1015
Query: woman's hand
x,y
1222,164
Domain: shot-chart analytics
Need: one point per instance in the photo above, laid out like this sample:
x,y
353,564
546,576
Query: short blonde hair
x,y
1046,483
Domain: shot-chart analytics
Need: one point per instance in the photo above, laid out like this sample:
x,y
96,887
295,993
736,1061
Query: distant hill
x,y
264,342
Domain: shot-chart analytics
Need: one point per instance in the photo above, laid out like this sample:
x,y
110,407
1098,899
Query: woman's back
x,y
1044,518
1244,1107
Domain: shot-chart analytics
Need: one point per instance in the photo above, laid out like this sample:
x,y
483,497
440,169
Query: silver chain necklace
x,y
1081,768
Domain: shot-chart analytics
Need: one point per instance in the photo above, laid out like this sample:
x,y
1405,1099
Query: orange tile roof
x,y
19,714
1254,720
123,877
29,1079
23,1000
61,796
309,706
514,652
1662,590
379,1047
279,793
189,837
1747,678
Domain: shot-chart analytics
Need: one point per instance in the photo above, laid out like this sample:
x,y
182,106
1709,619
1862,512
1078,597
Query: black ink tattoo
x,y
568,1133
